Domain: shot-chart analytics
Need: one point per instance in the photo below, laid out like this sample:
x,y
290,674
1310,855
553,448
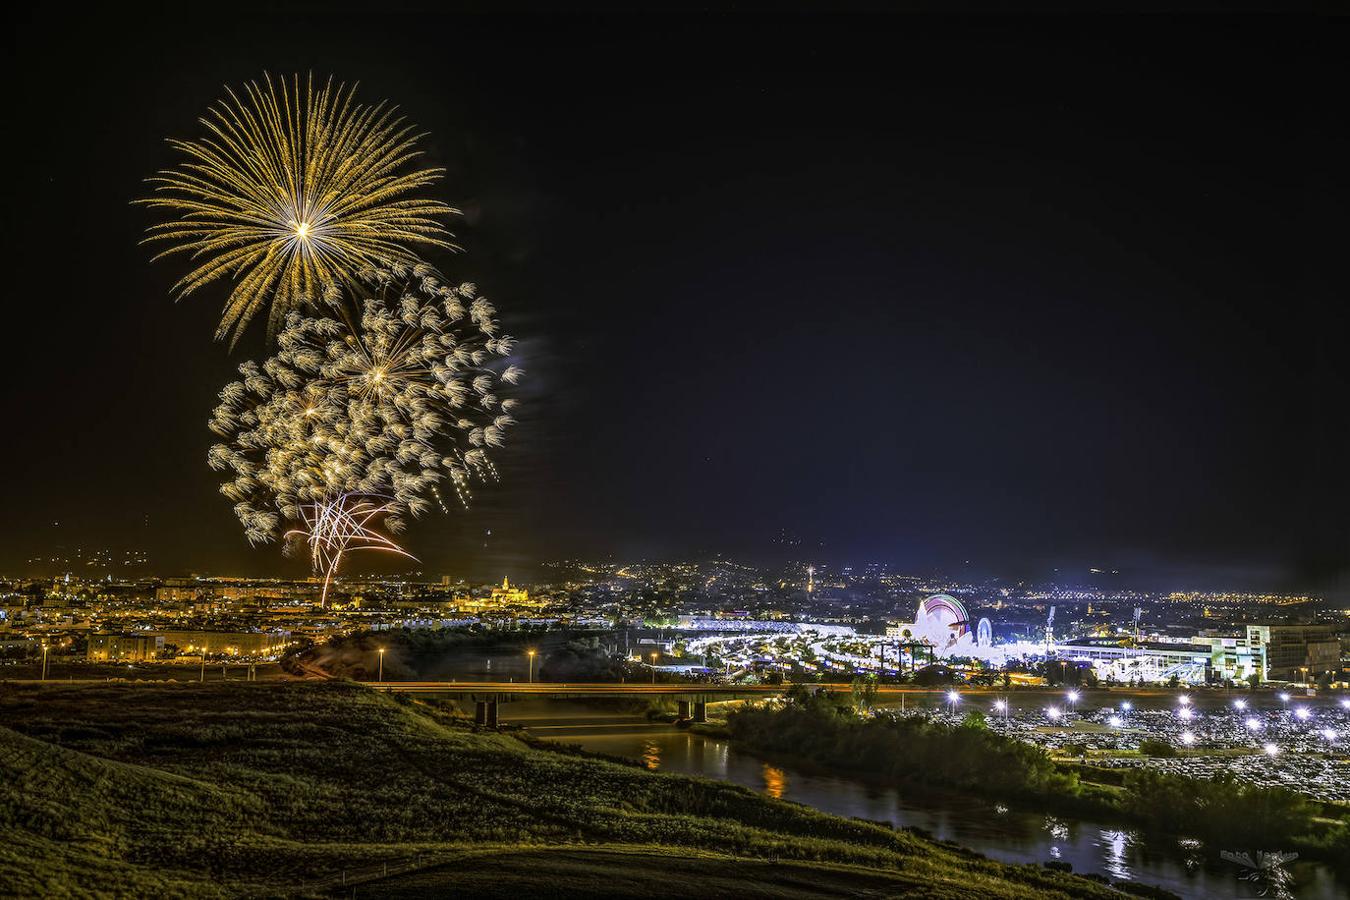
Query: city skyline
x,y
937,302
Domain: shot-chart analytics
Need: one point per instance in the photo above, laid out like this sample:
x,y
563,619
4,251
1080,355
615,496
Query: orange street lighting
x,y
382,664
530,653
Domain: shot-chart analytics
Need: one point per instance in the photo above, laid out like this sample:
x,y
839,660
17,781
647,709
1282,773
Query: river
x,y
993,829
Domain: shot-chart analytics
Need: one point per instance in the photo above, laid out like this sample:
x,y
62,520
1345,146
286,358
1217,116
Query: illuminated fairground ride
x,y
941,622
942,628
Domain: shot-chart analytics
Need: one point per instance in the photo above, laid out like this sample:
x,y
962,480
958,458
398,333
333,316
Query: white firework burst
x,y
386,402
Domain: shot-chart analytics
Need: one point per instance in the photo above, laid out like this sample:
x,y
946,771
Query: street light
x,y
1302,713
1271,750
1002,706
381,664
530,653
1253,724
1126,706
1239,705
1053,713
1188,737
1115,721
654,655
1184,700
44,660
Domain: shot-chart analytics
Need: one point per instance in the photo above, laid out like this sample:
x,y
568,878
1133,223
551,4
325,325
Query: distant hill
x,y
274,789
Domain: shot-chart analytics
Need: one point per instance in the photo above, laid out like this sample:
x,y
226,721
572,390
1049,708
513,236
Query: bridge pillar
x,y
492,714
684,710
480,712
700,710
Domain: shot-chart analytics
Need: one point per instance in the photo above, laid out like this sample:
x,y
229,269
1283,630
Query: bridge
x,y
693,698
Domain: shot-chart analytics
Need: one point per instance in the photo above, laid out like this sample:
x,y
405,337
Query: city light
x,y
1126,706
953,697
1184,700
1000,705
1188,737
1253,724
1329,733
1345,703
1186,713
1284,698
1073,696
1052,712
1239,705
1115,721
1302,713
1271,750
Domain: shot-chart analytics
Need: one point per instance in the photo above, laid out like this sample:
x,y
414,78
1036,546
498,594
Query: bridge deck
x,y
612,689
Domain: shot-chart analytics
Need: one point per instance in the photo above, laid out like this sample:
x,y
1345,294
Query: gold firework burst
x,y
294,190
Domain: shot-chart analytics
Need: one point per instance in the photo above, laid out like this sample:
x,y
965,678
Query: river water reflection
x,y
989,827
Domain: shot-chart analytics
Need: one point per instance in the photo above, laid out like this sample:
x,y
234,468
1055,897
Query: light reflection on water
x,y
1009,835
775,781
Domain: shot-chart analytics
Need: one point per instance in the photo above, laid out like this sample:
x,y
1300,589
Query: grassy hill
x,y
275,789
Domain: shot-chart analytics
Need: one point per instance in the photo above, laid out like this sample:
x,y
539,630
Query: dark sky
x,y
1051,292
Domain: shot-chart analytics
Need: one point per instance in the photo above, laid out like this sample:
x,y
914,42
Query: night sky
x,y
970,295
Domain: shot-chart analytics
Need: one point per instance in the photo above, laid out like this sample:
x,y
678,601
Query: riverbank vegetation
x,y
297,788
821,731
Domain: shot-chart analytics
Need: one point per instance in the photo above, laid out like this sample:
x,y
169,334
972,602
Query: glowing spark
x,y
296,187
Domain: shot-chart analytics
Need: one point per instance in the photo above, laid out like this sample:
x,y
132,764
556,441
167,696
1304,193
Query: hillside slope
x,y
269,789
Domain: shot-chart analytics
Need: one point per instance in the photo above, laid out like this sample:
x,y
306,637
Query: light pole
x,y
1002,706
653,668
530,653
381,664
44,660
201,677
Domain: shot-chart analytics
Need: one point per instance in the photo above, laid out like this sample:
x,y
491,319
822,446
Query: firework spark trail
x,y
294,190
335,527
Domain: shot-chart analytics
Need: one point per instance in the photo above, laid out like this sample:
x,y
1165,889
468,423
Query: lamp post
x,y
201,676
530,653
44,660
654,668
381,664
